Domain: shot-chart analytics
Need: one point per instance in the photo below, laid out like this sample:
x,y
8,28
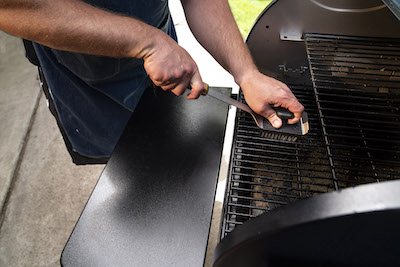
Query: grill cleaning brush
x,y
287,132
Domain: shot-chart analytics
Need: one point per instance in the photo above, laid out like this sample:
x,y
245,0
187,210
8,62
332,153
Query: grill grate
x,y
354,116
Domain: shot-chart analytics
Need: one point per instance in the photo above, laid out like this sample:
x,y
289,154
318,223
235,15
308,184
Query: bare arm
x,y
213,25
75,26
79,27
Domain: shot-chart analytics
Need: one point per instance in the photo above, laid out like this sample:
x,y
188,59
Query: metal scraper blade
x,y
299,128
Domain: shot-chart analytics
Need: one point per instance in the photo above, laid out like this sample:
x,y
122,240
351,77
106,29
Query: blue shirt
x,y
94,96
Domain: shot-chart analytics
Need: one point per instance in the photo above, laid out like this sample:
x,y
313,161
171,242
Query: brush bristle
x,y
278,136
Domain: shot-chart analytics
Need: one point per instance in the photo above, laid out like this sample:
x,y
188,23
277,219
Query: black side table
x,y
153,203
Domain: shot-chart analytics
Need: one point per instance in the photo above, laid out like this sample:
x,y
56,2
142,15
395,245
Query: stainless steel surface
x,y
221,187
231,101
394,6
276,40
345,6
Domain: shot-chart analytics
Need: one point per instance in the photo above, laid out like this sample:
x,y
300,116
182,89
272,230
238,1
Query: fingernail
x,y
276,123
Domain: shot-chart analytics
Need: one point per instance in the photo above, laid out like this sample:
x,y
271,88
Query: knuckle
x,y
281,94
187,70
157,78
263,110
297,106
156,83
176,75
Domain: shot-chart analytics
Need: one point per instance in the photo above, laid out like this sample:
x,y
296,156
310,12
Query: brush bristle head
x,y
278,136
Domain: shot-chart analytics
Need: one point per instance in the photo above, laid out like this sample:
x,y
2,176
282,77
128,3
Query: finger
x,y
294,120
156,83
180,88
166,86
197,86
270,114
297,117
275,120
297,109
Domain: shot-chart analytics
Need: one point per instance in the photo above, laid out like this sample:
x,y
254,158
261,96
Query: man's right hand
x,y
170,67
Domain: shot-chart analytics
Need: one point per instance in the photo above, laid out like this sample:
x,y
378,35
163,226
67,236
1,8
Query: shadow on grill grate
x,y
354,115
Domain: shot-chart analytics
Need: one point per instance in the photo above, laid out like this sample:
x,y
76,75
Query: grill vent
x,y
354,115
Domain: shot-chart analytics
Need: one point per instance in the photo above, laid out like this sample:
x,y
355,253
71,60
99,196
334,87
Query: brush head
x,y
287,132
279,136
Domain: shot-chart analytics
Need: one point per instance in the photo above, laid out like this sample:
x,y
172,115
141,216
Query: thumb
x,y
270,114
197,86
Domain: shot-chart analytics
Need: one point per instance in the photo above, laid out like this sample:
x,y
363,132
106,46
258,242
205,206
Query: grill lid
x,y
394,6
353,227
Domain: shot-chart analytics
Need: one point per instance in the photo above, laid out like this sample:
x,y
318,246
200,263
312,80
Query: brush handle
x,y
283,113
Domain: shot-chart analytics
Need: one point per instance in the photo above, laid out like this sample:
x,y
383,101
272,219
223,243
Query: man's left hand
x,y
262,93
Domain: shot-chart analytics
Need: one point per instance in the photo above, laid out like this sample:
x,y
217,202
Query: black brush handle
x,y
283,113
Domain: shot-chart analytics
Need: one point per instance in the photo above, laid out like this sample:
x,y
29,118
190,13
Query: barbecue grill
x,y
353,106
341,58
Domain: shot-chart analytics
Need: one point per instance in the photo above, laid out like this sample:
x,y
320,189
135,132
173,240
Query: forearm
x,y
77,27
212,23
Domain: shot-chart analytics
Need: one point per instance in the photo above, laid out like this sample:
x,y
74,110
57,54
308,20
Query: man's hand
x,y
262,92
212,23
170,67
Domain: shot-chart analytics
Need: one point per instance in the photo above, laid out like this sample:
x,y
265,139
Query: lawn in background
x,y
246,12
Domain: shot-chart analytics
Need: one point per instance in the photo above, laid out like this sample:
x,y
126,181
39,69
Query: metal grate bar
x,y
351,62
252,162
358,66
318,177
288,188
355,83
267,173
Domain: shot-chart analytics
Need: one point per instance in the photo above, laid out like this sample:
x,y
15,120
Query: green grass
x,y
246,12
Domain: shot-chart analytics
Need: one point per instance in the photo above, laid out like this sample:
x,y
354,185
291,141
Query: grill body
x,y
342,61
